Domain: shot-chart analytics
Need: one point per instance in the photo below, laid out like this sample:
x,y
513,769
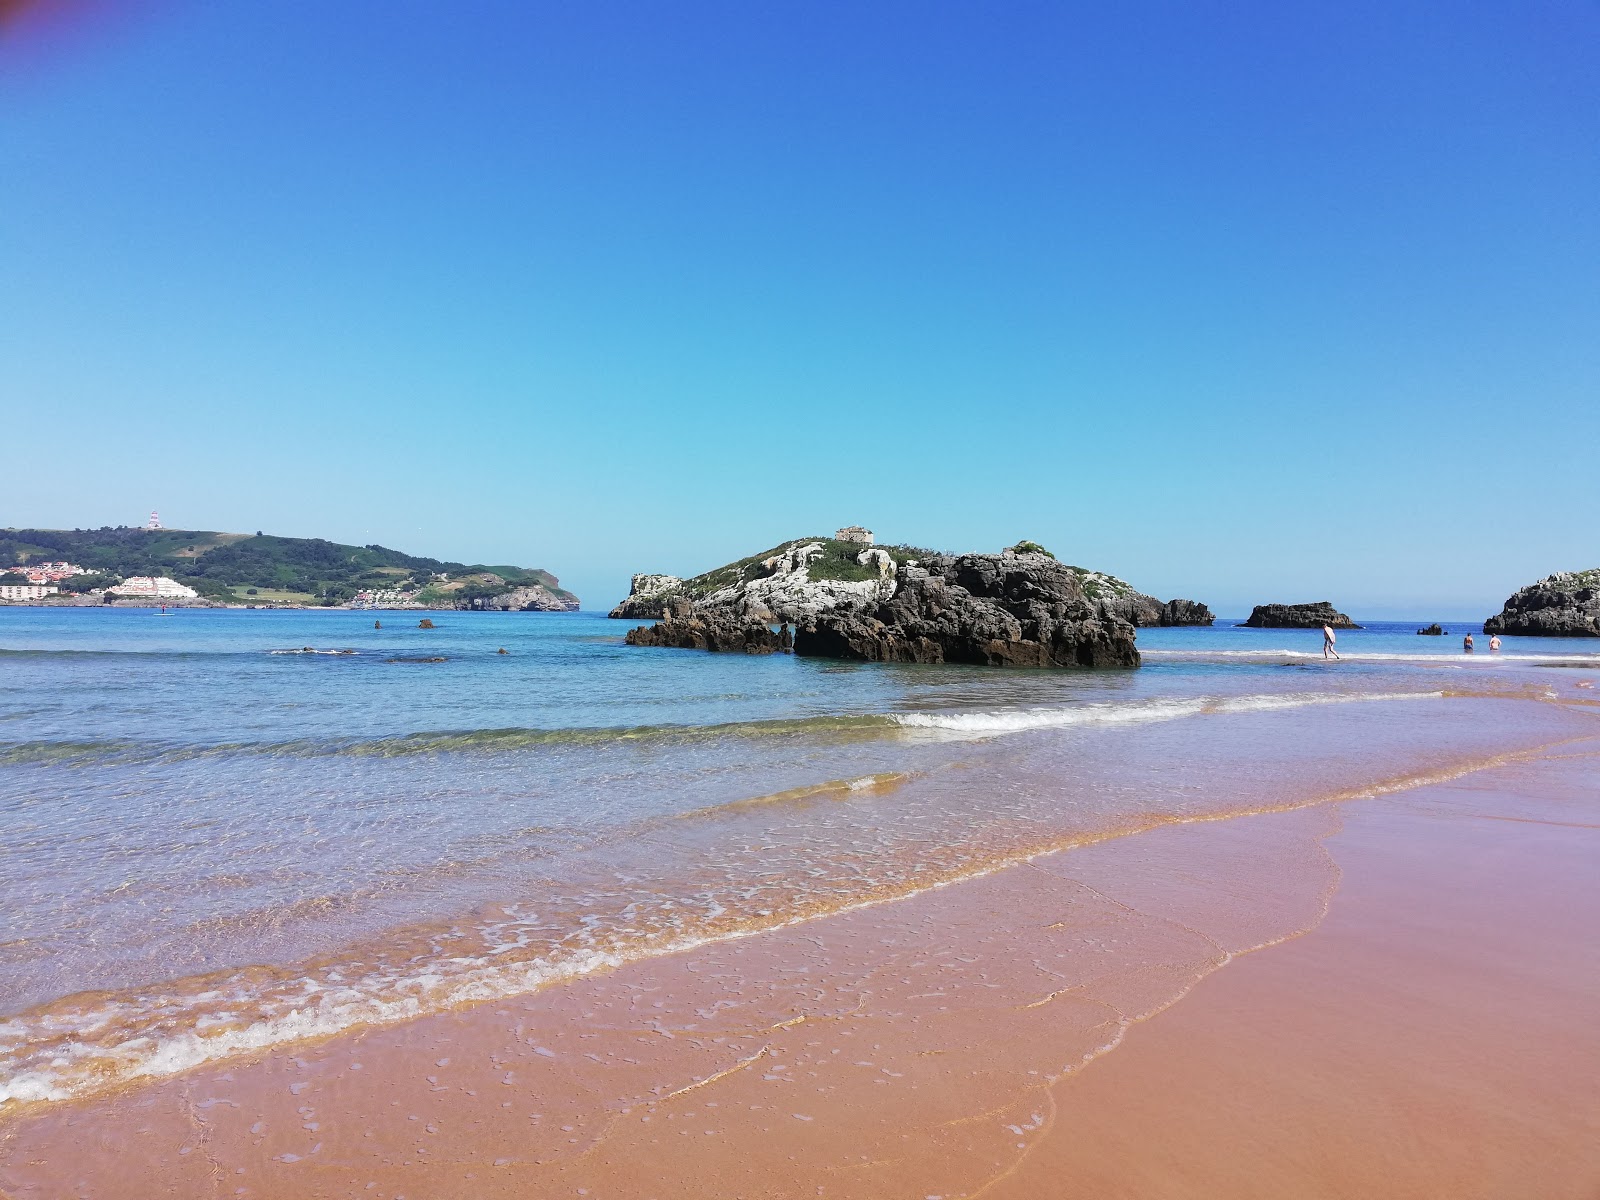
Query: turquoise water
x,y
243,827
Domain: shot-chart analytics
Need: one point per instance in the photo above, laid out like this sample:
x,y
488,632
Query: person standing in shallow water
x,y
1494,642
1466,644
1327,642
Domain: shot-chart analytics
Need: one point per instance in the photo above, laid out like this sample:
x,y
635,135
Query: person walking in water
x,y
1494,642
1327,642
1466,644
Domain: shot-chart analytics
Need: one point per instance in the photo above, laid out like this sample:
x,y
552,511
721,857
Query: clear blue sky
x,y
1239,301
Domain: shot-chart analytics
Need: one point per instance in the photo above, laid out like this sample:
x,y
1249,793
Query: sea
x,y
225,831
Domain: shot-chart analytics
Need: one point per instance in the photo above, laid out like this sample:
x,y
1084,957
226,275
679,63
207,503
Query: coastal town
x,y
63,583
155,565
54,582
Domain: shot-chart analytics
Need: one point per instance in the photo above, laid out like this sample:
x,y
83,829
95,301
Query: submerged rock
x,y
1566,604
1007,610
1298,616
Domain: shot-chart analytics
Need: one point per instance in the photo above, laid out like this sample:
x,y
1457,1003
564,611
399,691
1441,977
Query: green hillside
x,y
224,565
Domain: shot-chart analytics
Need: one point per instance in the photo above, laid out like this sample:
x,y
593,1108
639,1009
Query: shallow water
x,y
216,842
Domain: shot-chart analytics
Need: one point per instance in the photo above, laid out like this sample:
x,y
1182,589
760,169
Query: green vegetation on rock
x,y
837,561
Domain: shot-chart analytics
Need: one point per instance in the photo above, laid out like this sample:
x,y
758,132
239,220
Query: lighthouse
x,y
155,520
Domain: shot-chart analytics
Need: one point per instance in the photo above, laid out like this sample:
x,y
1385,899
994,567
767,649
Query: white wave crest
x,y
1128,712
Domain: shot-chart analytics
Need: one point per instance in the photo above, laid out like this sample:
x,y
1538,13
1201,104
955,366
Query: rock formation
x,y
802,579
1186,612
645,598
531,598
893,603
1144,611
1010,610
1434,630
791,582
1298,616
1566,604
690,627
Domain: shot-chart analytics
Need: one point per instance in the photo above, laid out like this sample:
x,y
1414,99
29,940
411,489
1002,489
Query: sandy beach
x,y
1390,995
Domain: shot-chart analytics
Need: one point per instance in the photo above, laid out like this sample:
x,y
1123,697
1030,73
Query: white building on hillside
x,y
148,587
26,591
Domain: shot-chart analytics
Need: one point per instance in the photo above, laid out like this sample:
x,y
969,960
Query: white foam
x,y
1126,712
1453,658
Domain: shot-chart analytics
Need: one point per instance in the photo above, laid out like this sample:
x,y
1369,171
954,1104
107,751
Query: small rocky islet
x,y
1297,616
1566,604
847,598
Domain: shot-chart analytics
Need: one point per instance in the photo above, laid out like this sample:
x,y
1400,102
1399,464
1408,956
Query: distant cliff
x,y
1566,604
264,568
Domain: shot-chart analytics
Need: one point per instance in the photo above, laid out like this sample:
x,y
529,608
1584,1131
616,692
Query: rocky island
x,y
1566,604
1297,616
848,598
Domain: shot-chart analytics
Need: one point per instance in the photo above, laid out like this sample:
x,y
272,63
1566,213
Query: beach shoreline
x,y
958,1043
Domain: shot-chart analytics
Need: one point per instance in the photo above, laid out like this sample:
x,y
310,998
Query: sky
x,y
1243,302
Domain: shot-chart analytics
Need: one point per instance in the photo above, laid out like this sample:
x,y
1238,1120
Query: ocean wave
x,y
91,1042
1128,712
864,725
84,753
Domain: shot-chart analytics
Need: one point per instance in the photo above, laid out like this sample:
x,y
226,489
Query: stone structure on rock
x,y
1004,610
646,597
854,533
1298,616
1566,604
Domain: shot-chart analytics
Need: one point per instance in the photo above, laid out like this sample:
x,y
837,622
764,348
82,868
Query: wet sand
x,y
1434,1036
1380,997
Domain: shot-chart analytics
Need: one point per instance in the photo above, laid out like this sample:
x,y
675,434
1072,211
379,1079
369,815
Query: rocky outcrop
x,y
686,626
1566,604
791,583
532,598
1298,616
646,597
784,587
1434,630
1145,611
1018,608
1009,610
1186,612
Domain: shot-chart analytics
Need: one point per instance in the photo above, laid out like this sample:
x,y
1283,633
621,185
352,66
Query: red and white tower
x,y
155,520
